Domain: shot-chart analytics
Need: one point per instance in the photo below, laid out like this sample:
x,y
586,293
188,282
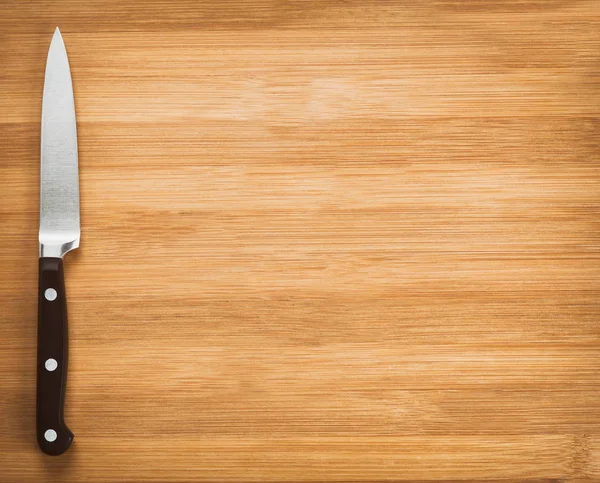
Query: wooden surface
x,y
321,241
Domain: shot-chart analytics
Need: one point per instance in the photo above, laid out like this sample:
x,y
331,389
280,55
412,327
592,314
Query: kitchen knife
x,y
59,233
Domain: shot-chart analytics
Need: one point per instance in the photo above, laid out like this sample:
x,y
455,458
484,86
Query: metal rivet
x,y
50,294
51,365
50,435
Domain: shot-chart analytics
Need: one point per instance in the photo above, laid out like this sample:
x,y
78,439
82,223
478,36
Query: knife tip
x,y
57,37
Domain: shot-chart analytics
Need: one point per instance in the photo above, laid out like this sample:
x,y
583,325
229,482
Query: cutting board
x,y
321,241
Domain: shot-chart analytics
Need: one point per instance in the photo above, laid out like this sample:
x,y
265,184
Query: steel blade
x,y
59,181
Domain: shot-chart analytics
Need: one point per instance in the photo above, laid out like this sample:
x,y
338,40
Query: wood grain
x,y
321,241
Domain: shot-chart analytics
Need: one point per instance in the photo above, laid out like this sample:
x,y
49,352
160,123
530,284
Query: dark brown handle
x,y
53,435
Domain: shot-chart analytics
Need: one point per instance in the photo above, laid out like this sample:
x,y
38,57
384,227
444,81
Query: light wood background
x,y
321,241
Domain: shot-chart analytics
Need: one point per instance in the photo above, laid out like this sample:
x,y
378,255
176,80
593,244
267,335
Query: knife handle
x,y
53,436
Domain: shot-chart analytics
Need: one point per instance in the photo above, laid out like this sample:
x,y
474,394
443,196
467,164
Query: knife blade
x,y
59,233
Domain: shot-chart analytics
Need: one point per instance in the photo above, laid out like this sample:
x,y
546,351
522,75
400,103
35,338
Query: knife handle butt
x,y
53,436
